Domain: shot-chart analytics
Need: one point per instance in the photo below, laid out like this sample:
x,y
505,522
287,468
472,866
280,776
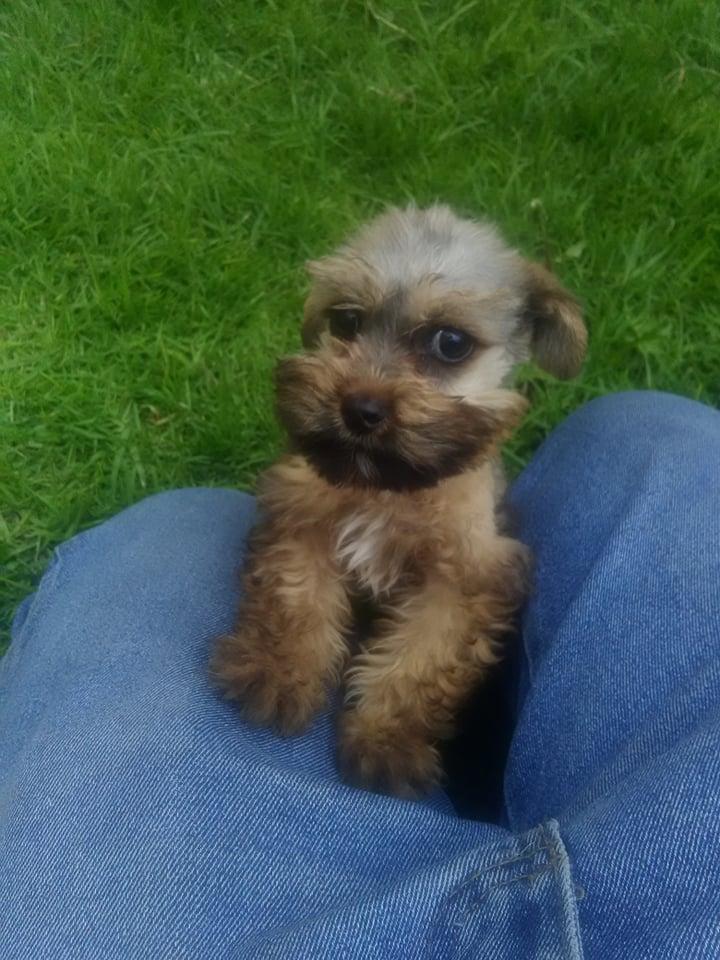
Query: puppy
x,y
390,490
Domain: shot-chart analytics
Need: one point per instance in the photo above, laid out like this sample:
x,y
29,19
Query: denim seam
x,y
547,866
567,892
556,863
496,865
529,877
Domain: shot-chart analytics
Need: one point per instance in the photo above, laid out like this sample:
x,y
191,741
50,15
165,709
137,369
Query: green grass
x,y
166,168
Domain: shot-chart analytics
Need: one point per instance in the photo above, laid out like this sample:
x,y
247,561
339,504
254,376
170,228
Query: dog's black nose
x,y
363,412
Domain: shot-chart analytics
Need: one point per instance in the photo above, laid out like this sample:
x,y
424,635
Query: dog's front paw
x,y
386,758
272,691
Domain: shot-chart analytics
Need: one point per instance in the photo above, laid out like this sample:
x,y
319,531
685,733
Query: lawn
x,y
167,167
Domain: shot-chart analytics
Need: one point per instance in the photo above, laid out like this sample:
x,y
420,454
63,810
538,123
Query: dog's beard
x,y
385,465
430,436
344,463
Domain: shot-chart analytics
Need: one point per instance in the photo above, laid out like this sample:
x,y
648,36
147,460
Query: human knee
x,y
192,501
163,528
640,416
610,447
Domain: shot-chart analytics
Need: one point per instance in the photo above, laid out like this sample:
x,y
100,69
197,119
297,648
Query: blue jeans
x,y
140,818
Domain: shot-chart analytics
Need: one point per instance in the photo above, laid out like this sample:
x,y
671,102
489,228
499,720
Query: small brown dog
x,y
391,491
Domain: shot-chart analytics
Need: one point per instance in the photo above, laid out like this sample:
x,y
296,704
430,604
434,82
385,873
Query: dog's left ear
x,y
558,335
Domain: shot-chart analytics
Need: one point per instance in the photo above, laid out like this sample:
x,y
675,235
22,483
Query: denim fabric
x,y
618,736
141,818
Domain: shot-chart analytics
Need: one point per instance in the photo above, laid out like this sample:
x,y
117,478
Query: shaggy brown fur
x,y
391,490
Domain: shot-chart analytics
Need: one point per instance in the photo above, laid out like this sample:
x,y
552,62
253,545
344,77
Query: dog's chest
x,y
375,547
392,540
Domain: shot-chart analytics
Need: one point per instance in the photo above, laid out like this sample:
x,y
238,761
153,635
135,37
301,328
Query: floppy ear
x,y
558,335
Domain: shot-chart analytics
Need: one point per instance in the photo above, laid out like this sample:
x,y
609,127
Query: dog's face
x,y
412,328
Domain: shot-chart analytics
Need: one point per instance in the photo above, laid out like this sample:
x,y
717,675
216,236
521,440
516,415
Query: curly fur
x,y
406,515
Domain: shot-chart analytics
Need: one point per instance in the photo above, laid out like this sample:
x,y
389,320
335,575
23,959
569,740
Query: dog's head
x,y
412,328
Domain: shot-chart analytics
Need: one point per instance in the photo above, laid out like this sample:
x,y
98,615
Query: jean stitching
x,y
529,877
435,934
549,846
552,866
526,855
566,891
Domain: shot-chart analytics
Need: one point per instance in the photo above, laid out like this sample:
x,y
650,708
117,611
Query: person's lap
x,y
618,734
139,816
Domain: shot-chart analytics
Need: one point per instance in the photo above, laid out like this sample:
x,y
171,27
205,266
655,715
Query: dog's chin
x,y
345,464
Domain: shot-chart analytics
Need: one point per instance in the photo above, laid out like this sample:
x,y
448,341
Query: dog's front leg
x,y
289,643
405,689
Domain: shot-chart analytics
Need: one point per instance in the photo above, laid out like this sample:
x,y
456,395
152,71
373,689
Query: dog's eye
x,y
451,345
345,322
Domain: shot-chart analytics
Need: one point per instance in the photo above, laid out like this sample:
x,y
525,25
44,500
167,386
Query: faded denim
x,y
140,818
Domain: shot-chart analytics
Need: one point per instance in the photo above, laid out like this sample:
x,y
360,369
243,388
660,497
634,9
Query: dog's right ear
x,y
558,337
